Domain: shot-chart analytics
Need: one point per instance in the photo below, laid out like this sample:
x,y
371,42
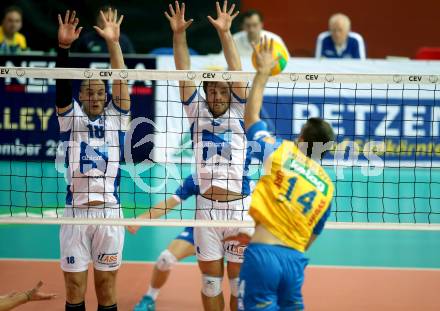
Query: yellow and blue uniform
x,y
292,202
18,43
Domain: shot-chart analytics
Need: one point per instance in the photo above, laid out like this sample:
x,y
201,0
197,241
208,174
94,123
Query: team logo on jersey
x,y
235,248
217,144
93,162
110,260
307,174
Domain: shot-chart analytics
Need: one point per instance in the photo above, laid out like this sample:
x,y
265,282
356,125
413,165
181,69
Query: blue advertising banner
x,y
399,126
29,128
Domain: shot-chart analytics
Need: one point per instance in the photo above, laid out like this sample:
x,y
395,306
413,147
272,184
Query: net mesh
x,y
385,167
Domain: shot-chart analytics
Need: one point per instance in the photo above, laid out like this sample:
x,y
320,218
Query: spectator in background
x,y
252,31
339,41
11,41
91,42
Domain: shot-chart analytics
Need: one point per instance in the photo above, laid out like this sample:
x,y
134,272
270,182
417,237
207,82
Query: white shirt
x,y
244,47
220,145
93,151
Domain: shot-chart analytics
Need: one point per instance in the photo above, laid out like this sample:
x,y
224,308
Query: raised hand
x,y
224,17
111,26
67,31
264,56
176,17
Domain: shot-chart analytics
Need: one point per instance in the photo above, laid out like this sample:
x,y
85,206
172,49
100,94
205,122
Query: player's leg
x,y
105,287
212,276
233,276
75,244
176,251
76,286
179,248
260,275
234,249
107,246
210,252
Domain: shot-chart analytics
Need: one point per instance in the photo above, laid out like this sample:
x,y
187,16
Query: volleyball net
x,y
385,164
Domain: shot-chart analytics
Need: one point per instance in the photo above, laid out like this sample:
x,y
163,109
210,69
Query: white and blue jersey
x,y
353,48
185,191
220,145
93,151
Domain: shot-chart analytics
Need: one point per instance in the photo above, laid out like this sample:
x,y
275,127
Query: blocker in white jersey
x,y
220,146
94,149
93,131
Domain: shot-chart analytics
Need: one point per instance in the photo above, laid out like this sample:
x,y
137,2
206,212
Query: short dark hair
x,y
316,130
205,85
12,8
250,13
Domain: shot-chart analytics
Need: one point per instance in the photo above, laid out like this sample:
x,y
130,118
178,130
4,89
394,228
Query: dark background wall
x,y
144,22
389,27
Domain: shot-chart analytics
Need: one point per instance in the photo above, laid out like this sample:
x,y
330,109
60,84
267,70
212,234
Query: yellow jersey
x,y
292,200
17,43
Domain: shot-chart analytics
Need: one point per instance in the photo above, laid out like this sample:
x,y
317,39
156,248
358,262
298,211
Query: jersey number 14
x,y
306,199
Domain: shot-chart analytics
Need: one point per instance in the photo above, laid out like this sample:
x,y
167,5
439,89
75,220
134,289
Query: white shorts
x,y
81,244
209,242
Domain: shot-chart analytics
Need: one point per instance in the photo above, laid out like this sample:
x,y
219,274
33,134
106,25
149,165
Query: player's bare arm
x,y
68,32
111,33
15,299
264,64
223,24
157,211
178,24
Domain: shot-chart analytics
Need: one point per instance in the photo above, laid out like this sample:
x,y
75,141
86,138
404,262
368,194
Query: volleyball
x,y
280,52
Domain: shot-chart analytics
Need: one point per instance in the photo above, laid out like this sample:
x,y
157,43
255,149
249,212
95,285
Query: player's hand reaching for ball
x,y
224,18
264,60
176,17
67,29
111,26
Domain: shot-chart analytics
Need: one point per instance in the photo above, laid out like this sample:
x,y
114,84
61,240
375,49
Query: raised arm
x,y
264,64
111,33
223,24
178,25
67,34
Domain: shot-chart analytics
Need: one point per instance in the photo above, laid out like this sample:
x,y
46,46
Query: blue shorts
x,y
271,278
186,235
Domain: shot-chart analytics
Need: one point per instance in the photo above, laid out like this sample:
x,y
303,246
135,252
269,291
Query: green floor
x,y
397,195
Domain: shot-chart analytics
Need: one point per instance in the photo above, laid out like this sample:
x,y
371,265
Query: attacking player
x,y
290,204
221,155
93,134
180,248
